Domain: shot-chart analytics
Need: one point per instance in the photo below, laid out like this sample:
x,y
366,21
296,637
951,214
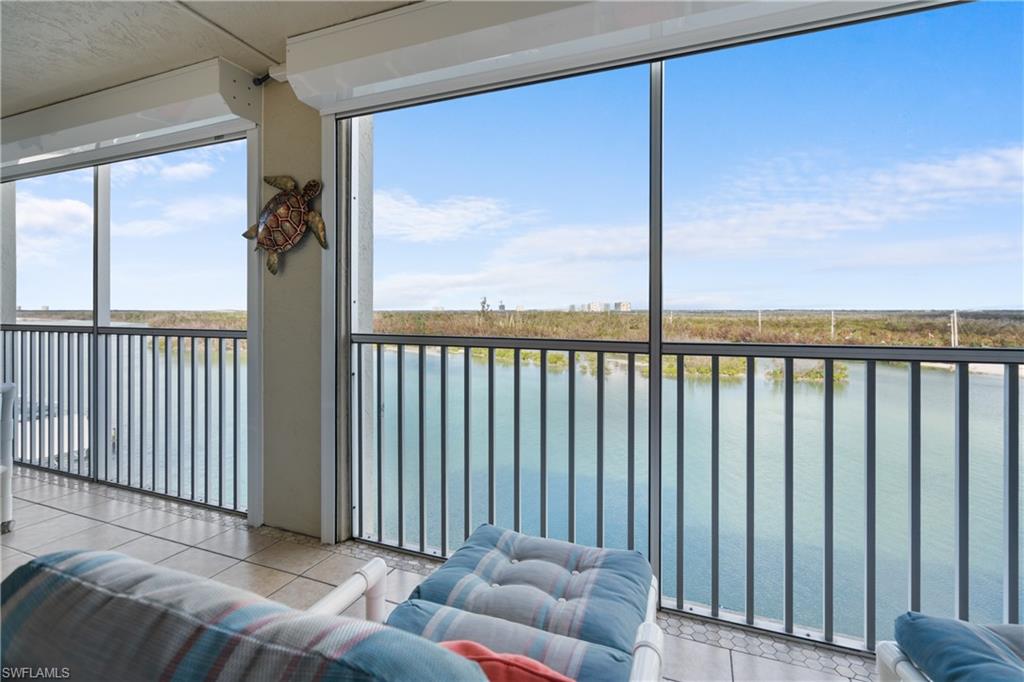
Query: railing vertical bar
x,y
1011,492
680,482
117,413
60,402
79,412
154,407
516,473
380,441
750,414
715,501
631,452
466,468
220,422
600,451
444,450
206,420
401,444
181,409
142,412
962,488
23,384
131,404
827,591
491,506
34,399
870,457
167,414
192,417
914,474
50,439
572,448
235,428
420,385
788,498
358,349
543,443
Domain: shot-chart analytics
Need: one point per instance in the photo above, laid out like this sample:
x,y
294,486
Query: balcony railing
x,y
782,474
160,410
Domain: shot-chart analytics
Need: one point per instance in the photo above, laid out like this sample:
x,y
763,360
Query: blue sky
x,y
872,166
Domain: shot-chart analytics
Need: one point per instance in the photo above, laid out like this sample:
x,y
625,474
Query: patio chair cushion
x,y
958,651
573,658
598,595
103,615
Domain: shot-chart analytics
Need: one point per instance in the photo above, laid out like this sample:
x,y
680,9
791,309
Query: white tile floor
x,y
55,512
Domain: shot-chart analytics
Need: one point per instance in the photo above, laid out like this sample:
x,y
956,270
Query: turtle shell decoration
x,y
284,219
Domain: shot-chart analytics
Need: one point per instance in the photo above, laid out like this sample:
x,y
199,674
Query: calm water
x,y
986,529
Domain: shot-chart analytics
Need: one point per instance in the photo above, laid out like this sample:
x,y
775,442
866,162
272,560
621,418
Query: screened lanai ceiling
x,y
53,51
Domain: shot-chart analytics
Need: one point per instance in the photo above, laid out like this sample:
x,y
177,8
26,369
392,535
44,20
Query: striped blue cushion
x,y
103,615
572,657
957,651
598,595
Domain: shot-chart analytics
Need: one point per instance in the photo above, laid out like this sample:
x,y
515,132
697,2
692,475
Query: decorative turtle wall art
x,y
284,219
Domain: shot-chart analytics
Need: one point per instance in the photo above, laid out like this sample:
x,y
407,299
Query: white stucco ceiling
x,y
53,51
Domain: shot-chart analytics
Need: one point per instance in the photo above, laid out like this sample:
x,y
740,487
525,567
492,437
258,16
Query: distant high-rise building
x,y
623,306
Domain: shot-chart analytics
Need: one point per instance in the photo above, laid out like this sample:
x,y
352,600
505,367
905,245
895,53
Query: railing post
x,y
1011,492
654,321
961,509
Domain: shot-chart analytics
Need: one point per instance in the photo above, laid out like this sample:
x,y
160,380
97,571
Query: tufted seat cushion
x,y
573,658
597,595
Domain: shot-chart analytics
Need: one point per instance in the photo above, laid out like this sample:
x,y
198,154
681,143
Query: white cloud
x,y
34,213
401,216
184,215
188,171
973,249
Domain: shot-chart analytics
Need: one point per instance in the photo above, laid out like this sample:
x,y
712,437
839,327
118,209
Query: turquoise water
x,y
986,482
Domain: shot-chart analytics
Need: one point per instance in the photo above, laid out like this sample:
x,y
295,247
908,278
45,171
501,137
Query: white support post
x,y
361,290
8,255
101,211
333,402
254,335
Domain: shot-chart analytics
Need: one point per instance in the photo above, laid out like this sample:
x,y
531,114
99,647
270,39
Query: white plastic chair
x,y
7,397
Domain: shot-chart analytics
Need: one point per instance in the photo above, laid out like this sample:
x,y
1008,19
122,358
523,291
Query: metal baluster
x,y
544,443
78,403
154,402
827,588
35,401
422,453
23,384
516,472
181,409
117,421
206,420
600,450
870,451
401,445
236,347
1011,492
60,407
751,364
788,502
192,422
715,500
220,422
962,488
131,439
380,442
358,348
914,473
444,450
167,414
142,413
490,436
466,470
631,451
572,447
51,436
680,482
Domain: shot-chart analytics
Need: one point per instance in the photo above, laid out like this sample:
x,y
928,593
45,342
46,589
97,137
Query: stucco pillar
x,y
8,258
291,317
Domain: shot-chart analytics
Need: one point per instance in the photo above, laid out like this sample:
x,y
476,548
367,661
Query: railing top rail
x,y
757,350
128,331
823,352
592,345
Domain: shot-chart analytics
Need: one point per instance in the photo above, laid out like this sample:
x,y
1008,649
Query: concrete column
x,y
8,255
101,210
291,318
